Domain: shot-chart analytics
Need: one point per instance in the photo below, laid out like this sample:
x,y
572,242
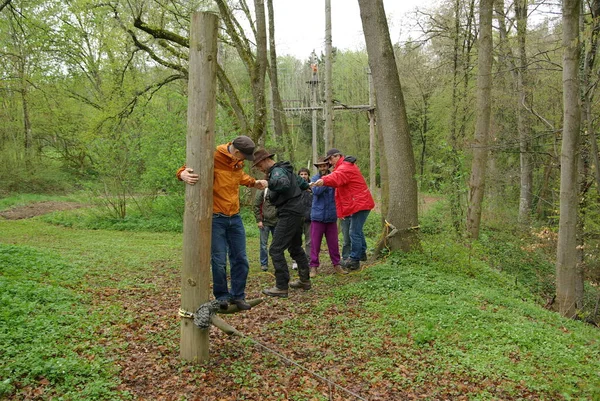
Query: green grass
x,y
481,325
48,335
449,322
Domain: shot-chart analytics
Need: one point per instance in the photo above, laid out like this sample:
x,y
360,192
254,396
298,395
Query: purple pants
x,y
330,230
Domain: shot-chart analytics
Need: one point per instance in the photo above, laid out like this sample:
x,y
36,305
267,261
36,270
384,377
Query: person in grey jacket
x,y
265,214
307,197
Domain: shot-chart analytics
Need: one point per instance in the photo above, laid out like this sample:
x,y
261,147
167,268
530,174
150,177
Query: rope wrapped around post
x,y
205,315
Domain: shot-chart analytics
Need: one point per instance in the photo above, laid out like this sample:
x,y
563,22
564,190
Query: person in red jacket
x,y
353,201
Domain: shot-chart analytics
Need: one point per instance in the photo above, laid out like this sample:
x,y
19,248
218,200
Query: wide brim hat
x,y
320,161
260,155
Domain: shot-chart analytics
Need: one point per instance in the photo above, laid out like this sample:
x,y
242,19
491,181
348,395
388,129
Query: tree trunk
x,y
28,145
259,73
569,275
480,142
522,98
393,124
525,155
456,182
279,118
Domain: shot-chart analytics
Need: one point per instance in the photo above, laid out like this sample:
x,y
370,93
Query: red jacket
x,y
351,191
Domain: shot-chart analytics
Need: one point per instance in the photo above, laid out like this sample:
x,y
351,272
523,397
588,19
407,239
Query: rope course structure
x,y
302,89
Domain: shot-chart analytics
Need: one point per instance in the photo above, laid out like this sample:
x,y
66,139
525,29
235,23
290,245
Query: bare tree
x,y
480,142
569,274
402,210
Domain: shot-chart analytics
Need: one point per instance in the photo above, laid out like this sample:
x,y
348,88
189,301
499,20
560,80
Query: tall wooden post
x,y
197,221
328,79
314,82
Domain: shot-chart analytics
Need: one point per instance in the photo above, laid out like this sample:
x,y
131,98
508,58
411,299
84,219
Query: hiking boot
x,y
223,304
299,284
313,271
241,304
350,264
264,268
275,292
339,270
363,257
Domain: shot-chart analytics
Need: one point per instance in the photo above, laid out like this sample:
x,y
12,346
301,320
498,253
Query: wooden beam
x,y
364,107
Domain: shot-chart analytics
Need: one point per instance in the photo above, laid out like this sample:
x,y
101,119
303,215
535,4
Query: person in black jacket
x,y
285,190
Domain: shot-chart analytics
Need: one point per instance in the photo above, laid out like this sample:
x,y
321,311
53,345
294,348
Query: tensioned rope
x,y
203,319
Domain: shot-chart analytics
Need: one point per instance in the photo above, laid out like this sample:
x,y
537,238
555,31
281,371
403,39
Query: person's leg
x,y
281,242
331,235
363,255
357,237
295,248
307,237
218,257
238,260
264,240
316,234
346,245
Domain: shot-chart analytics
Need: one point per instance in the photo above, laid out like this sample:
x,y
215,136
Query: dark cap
x,y
321,161
245,145
260,155
332,152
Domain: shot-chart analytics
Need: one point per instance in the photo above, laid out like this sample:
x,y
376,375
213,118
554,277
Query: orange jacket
x,y
229,175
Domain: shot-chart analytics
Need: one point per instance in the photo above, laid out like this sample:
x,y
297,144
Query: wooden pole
x,y
328,79
313,102
197,220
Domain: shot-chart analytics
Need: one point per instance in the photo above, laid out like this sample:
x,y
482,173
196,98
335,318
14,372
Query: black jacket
x,y
285,189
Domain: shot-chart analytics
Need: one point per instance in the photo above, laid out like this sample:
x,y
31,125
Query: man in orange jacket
x,y
228,233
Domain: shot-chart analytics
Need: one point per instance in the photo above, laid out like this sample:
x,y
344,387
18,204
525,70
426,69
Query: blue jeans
x,y
264,240
357,236
229,236
347,245
345,229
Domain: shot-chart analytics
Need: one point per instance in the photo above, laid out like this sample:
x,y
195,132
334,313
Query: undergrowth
x,y
49,332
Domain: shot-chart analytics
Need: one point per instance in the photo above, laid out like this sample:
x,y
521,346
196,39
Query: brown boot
x,y
313,271
339,270
275,292
305,285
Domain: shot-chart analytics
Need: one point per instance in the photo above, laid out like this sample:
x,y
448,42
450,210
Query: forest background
x,y
94,101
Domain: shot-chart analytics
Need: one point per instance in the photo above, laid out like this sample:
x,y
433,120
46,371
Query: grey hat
x,y
332,152
245,145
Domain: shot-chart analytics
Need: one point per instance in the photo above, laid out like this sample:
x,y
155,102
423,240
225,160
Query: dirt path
x,y
37,209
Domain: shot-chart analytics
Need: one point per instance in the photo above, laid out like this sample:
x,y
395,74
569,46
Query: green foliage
x,y
48,331
470,319
160,214
506,251
46,177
